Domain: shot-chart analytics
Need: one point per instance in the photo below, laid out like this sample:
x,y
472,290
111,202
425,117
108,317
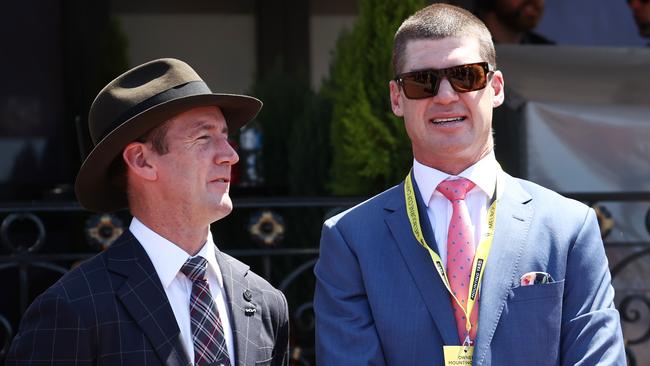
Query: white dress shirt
x,y
167,259
439,209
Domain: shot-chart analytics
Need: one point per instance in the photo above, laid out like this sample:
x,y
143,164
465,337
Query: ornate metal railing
x,y
32,257
627,268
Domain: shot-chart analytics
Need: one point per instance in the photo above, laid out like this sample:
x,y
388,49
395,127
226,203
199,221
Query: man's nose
x,y
226,154
446,93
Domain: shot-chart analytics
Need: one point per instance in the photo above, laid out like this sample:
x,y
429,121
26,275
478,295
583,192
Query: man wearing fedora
x,y
163,293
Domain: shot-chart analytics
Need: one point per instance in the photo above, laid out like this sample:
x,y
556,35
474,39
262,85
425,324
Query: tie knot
x,y
194,268
455,189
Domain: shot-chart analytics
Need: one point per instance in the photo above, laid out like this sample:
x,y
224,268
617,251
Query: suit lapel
x,y
241,300
432,289
144,298
514,215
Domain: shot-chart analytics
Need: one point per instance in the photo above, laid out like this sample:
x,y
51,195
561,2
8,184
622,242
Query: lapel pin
x,y
248,295
250,311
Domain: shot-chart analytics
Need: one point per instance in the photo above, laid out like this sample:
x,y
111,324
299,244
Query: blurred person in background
x,y
512,21
641,12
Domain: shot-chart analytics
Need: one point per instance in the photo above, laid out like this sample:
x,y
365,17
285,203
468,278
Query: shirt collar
x,y
167,258
483,173
210,254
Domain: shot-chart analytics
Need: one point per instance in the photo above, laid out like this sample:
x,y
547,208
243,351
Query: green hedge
x,y
343,140
370,148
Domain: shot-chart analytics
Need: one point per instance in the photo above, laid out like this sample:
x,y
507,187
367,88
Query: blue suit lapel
x,y
431,287
144,298
514,215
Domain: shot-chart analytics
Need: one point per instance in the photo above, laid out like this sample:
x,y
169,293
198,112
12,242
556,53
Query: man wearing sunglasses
x,y
461,263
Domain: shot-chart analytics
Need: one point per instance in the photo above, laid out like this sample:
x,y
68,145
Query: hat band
x,y
185,90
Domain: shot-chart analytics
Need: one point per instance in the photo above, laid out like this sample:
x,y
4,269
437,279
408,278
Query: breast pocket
x,y
532,318
536,306
536,293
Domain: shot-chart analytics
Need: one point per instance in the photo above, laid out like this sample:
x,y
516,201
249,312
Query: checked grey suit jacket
x,y
112,310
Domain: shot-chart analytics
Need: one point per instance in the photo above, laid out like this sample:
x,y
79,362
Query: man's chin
x,y
222,209
520,23
525,24
644,29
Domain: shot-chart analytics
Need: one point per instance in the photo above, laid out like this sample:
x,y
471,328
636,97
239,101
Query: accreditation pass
x,y
458,355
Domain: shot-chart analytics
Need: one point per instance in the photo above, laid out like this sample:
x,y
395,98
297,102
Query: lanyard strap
x,y
480,258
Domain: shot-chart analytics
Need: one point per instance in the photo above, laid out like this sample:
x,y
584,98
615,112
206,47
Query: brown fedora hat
x,y
136,102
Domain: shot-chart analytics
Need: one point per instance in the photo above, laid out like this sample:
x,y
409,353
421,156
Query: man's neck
x,y
182,233
452,166
501,33
452,169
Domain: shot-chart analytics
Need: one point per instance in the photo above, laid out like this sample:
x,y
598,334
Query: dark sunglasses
x,y
463,78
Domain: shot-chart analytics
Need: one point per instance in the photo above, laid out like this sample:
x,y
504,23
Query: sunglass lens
x,y
467,78
419,85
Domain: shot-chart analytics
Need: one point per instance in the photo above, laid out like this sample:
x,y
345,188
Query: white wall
x,y
324,31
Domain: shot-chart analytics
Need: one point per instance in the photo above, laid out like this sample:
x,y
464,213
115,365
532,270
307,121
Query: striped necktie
x,y
207,330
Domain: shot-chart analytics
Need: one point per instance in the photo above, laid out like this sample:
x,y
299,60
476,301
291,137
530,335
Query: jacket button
x,y
248,295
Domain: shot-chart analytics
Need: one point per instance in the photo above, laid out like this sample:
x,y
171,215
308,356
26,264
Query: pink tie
x,y
460,252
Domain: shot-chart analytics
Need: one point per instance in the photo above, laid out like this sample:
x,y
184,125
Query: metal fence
x,y
40,242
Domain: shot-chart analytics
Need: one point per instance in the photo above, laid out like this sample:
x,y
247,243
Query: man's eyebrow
x,y
207,126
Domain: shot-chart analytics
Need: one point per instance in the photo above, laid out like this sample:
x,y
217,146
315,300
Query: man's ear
x,y
136,156
395,99
498,87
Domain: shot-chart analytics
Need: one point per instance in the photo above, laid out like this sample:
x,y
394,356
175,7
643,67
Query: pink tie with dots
x,y
460,252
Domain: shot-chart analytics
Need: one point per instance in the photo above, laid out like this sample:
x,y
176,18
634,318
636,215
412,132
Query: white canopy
x,y
586,116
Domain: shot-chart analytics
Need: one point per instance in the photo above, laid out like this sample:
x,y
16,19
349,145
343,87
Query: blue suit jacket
x,y
113,310
379,301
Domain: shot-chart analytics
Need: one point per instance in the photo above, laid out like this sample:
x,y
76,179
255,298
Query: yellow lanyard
x,y
480,258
